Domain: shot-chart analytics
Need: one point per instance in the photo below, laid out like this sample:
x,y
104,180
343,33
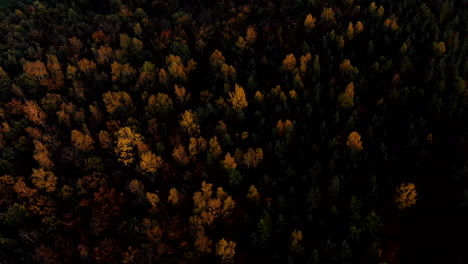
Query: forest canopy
x,y
300,131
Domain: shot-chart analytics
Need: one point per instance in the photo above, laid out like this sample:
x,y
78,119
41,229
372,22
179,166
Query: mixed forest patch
x,y
301,131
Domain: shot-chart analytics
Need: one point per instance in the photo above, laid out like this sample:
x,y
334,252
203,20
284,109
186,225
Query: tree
x,y
237,98
327,15
189,124
253,194
296,238
251,35
309,22
350,31
56,74
174,196
150,163
346,98
126,141
44,180
42,155
82,141
354,141
226,249
36,69
180,156
34,113
159,105
86,66
229,162
118,102
104,55
406,195
289,63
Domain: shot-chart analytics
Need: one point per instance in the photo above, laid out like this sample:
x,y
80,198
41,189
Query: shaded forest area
x,y
300,131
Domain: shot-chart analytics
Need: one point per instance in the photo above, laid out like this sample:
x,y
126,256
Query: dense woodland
x,y
225,131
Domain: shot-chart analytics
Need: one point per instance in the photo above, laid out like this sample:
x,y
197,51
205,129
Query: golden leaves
x,y
289,63
150,163
126,141
226,249
354,141
327,15
253,194
229,162
44,180
406,195
82,141
346,98
115,101
152,198
237,98
174,196
309,22
189,124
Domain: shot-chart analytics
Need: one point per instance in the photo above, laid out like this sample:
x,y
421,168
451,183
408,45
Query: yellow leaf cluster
x,y
150,163
327,15
86,66
289,63
354,141
229,162
180,156
42,155
176,67
253,194
189,124
44,180
226,249
309,22
115,100
406,195
81,141
237,98
305,59
174,196
214,147
346,98
251,35
126,141
153,198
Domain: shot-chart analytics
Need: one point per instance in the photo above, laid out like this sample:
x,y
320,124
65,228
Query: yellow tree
x,y
42,155
226,249
36,69
44,180
354,141
350,31
406,195
150,163
104,55
117,101
82,141
253,194
174,196
309,22
189,124
289,63
34,112
160,105
251,35
229,162
126,142
358,28
180,155
346,98
56,73
237,98
86,66
327,15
